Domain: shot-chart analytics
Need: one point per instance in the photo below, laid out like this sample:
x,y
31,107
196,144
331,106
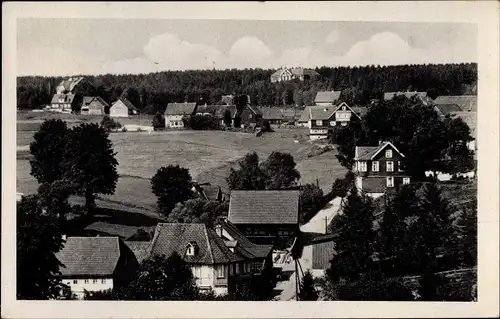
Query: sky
x,y
63,47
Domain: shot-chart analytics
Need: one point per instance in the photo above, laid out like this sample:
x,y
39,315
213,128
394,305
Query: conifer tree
x,y
307,291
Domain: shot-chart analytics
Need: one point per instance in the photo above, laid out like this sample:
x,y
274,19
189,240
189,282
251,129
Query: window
x,y
388,153
103,281
400,166
406,180
390,181
94,281
333,123
220,271
75,281
375,166
319,122
343,108
390,166
344,124
86,281
362,167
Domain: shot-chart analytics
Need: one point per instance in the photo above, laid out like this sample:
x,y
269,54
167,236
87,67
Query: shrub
x,y
109,124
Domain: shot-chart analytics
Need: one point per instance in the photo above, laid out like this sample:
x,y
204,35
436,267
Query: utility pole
x,y
326,224
296,280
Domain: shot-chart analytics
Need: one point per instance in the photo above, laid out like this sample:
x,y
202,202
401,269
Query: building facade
x,y
379,169
122,108
93,105
322,119
176,112
288,74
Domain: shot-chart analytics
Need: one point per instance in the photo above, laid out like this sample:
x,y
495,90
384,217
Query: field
x,y
207,154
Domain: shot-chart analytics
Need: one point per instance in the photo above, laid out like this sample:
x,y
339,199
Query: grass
x,y
207,154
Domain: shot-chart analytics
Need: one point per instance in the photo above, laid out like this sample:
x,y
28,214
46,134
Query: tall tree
x,y
39,238
307,291
89,162
249,176
280,170
171,184
310,201
48,149
354,245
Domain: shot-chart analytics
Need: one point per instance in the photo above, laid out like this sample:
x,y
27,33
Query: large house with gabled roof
x,y
379,169
177,112
288,74
64,100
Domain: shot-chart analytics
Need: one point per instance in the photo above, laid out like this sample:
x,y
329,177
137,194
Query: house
x,y
214,265
466,103
64,98
445,109
289,74
209,192
324,118
260,256
96,264
279,115
267,216
141,249
93,105
245,116
470,118
122,108
210,110
379,169
390,95
176,112
327,98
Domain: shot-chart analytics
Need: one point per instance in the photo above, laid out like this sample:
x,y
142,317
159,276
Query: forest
x,y
152,92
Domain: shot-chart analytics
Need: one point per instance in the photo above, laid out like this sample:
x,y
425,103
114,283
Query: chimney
x,y
380,142
64,237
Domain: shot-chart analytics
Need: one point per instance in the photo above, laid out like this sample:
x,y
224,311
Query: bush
x,y
202,122
109,124
124,129
158,121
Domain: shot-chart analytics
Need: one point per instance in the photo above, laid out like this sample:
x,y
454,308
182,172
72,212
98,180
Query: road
x,y
317,224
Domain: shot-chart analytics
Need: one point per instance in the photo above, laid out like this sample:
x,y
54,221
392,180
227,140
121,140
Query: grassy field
x,y
207,154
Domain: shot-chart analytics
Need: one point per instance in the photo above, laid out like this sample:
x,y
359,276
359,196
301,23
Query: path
x,y
317,223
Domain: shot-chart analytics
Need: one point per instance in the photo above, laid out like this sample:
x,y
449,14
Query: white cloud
x,y
333,37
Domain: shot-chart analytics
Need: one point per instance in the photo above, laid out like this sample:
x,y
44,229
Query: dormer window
x,y
191,249
388,153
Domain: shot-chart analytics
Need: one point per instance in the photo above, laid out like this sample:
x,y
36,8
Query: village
x,y
267,232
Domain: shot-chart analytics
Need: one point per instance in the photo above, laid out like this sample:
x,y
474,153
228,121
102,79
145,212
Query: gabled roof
x,y
278,113
210,109
350,108
89,256
295,71
174,237
68,98
89,99
390,95
467,103
243,244
141,249
321,113
210,191
127,103
369,152
264,207
470,118
446,109
327,96
186,108
69,84
226,100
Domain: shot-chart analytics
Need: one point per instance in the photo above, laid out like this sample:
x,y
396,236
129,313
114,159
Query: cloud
x,y
333,37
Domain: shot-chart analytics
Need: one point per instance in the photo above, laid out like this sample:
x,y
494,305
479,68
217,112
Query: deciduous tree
x,y
280,171
249,176
171,184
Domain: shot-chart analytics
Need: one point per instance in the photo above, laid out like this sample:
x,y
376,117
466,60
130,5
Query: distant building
x,y
390,95
64,99
320,119
176,112
265,217
279,115
96,264
215,263
289,74
445,109
122,108
93,105
379,169
327,98
466,103
470,118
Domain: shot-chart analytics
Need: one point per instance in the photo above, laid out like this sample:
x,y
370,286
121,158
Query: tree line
x,y
152,92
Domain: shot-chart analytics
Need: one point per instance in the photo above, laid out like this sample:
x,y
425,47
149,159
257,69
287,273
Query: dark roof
x,y
278,113
180,108
174,237
390,95
127,103
70,83
322,113
367,152
245,246
467,103
211,109
141,249
470,118
327,96
264,207
446,109
88,99
68,98
226,100
90,256
210,191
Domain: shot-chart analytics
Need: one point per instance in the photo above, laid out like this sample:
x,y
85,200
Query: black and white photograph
x,y
242,159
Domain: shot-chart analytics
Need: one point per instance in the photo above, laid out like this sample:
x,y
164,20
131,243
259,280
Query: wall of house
x,y
77,285
96,108
118,110
204,275
174,121
322,103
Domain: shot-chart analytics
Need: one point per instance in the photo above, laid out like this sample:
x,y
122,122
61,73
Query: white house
x,y
95,264
122,108
175,112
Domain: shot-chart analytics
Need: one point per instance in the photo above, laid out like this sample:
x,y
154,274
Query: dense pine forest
x,y
152,92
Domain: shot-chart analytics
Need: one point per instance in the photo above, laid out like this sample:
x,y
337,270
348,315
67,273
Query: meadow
x,y
208,155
